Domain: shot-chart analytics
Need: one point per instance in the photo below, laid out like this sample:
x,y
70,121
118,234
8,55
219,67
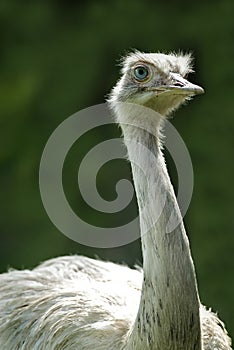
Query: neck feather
x,y
168,316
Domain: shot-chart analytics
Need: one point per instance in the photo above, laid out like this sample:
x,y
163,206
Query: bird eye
x,y
141,73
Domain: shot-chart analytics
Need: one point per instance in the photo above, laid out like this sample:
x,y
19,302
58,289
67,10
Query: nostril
x,y
178,83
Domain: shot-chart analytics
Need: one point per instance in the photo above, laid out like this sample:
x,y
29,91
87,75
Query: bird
x,y
79,303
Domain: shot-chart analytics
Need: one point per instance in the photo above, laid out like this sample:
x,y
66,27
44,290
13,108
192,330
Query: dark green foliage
x,y
58,57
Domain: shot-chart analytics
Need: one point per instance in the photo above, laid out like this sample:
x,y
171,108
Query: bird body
x,y
80,303
74,302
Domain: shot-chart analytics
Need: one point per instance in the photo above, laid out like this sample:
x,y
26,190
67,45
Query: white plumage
x,y
70,302
77,303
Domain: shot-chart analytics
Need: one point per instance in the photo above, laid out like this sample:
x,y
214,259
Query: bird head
x,y
155,80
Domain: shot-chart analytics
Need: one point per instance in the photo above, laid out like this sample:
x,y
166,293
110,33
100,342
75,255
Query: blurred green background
x,y
58,57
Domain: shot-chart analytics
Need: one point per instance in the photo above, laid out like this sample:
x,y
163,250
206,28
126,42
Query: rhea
x,y
74,302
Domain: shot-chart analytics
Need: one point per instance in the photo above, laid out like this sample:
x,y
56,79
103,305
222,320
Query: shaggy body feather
x,y
57,306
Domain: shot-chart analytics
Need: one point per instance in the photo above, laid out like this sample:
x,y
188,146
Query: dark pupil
x,y
141,73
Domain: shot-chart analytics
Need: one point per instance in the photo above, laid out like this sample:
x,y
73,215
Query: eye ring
x,y
141,73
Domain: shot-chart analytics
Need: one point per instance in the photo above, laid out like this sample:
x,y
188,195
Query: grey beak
x,y
182,86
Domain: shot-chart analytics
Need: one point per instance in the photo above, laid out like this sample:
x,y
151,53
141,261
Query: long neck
x,y
168,316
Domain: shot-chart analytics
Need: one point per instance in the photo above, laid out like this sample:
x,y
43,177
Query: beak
x,y
182,86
